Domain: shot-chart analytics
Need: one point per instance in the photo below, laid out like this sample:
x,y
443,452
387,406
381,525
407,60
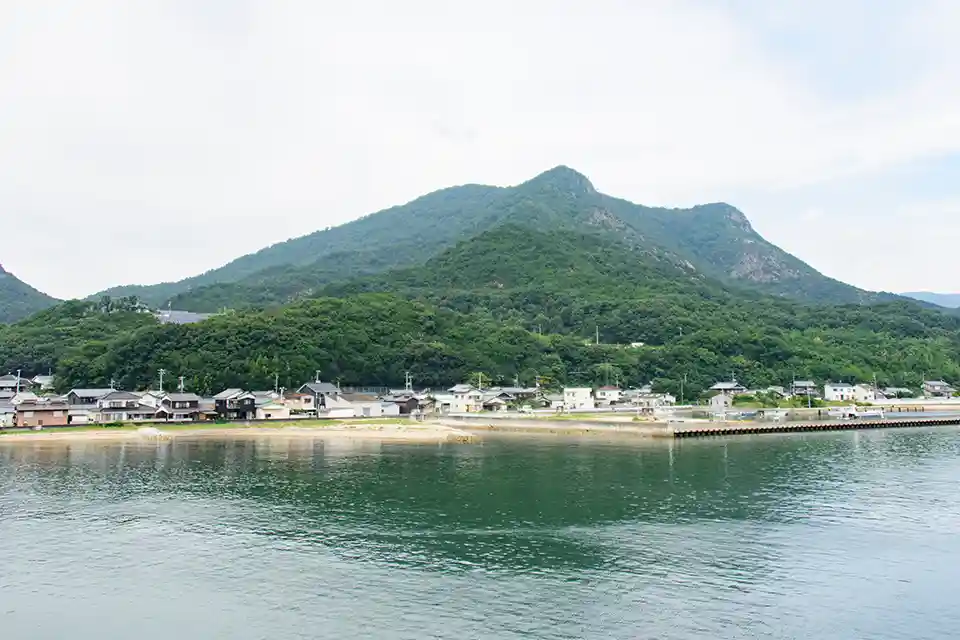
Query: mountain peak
x,y
563,179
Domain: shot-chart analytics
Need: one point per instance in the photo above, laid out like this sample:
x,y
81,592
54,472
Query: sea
x,y
828,536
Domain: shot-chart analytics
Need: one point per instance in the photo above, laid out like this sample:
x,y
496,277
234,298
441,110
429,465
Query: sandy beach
x,y
383,432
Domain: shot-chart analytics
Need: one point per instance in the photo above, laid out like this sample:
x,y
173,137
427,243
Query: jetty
x,y
706,429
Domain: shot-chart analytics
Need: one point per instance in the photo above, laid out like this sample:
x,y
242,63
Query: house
x,y
776,391
124,406
839,392
937,389
8,415
578,398
408,403
466,399
179,407
43,383
272,409
15,383
517,393
607,395
42,414
866,393
554,400
323,394
493,402
370,406
24,396
86,396
300,402
805,388
235,404
729,388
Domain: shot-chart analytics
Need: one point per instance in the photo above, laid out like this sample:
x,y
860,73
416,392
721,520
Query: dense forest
x,y
511,302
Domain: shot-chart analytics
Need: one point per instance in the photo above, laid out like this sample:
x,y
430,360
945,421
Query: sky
x,y
150,141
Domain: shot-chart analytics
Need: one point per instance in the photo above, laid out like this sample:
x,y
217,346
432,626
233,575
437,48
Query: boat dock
x,y
700,430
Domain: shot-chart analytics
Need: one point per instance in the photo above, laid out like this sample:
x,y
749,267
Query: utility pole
x,y
598,334
180,385
162,371
407,382
113,384
317,380
18,381
276,380
683,382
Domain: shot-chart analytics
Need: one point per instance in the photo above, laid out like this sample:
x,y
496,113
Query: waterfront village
x,y
32,402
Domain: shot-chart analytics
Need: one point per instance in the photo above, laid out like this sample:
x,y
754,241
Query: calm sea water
x,y
827,536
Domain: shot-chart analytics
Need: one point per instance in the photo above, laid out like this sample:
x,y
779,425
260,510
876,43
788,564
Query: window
x,y
58,414
28,414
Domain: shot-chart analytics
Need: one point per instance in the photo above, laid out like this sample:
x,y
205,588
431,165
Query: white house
x,y
270,409
466,399
608,395
843,392
578,398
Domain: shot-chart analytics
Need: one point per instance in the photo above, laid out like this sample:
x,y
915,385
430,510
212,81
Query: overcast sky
x,y
153,140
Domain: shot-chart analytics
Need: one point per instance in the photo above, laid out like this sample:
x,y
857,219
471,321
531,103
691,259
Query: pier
x,y
700,430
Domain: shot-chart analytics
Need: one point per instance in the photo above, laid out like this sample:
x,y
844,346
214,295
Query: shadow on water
x,y
508,505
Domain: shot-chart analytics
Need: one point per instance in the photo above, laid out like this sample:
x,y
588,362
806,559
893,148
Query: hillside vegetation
x,y
19,300
510,302
716,240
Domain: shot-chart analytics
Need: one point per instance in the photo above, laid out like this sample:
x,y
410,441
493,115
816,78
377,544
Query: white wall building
x,y
578,398
843,392
606,396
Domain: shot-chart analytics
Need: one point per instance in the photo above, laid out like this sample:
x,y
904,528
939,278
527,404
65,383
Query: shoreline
x,y
381,432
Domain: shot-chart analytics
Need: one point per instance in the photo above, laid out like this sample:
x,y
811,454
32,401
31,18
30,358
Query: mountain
x,y
948,300
19,300
715,240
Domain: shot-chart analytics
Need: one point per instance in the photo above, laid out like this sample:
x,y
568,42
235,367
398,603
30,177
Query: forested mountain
x,y
19,300
716,240
508,302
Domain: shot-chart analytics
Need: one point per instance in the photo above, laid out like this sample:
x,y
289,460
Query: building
x,y
272,409
86,396
898,392
124,406
466,399
575,398
843,392
235,404
179,407
43,383
729,388
324,394
15,383
42,414
937,389
8,415
721,403
608,395
805,388
839,392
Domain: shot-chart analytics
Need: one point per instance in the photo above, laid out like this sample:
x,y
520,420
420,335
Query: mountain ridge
x,y
716,239
18,300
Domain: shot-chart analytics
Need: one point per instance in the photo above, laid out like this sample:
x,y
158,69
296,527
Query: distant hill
x,y
715,240
18,300
948,300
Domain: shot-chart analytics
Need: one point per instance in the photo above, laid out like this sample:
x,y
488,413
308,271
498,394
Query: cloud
x,y
189,133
